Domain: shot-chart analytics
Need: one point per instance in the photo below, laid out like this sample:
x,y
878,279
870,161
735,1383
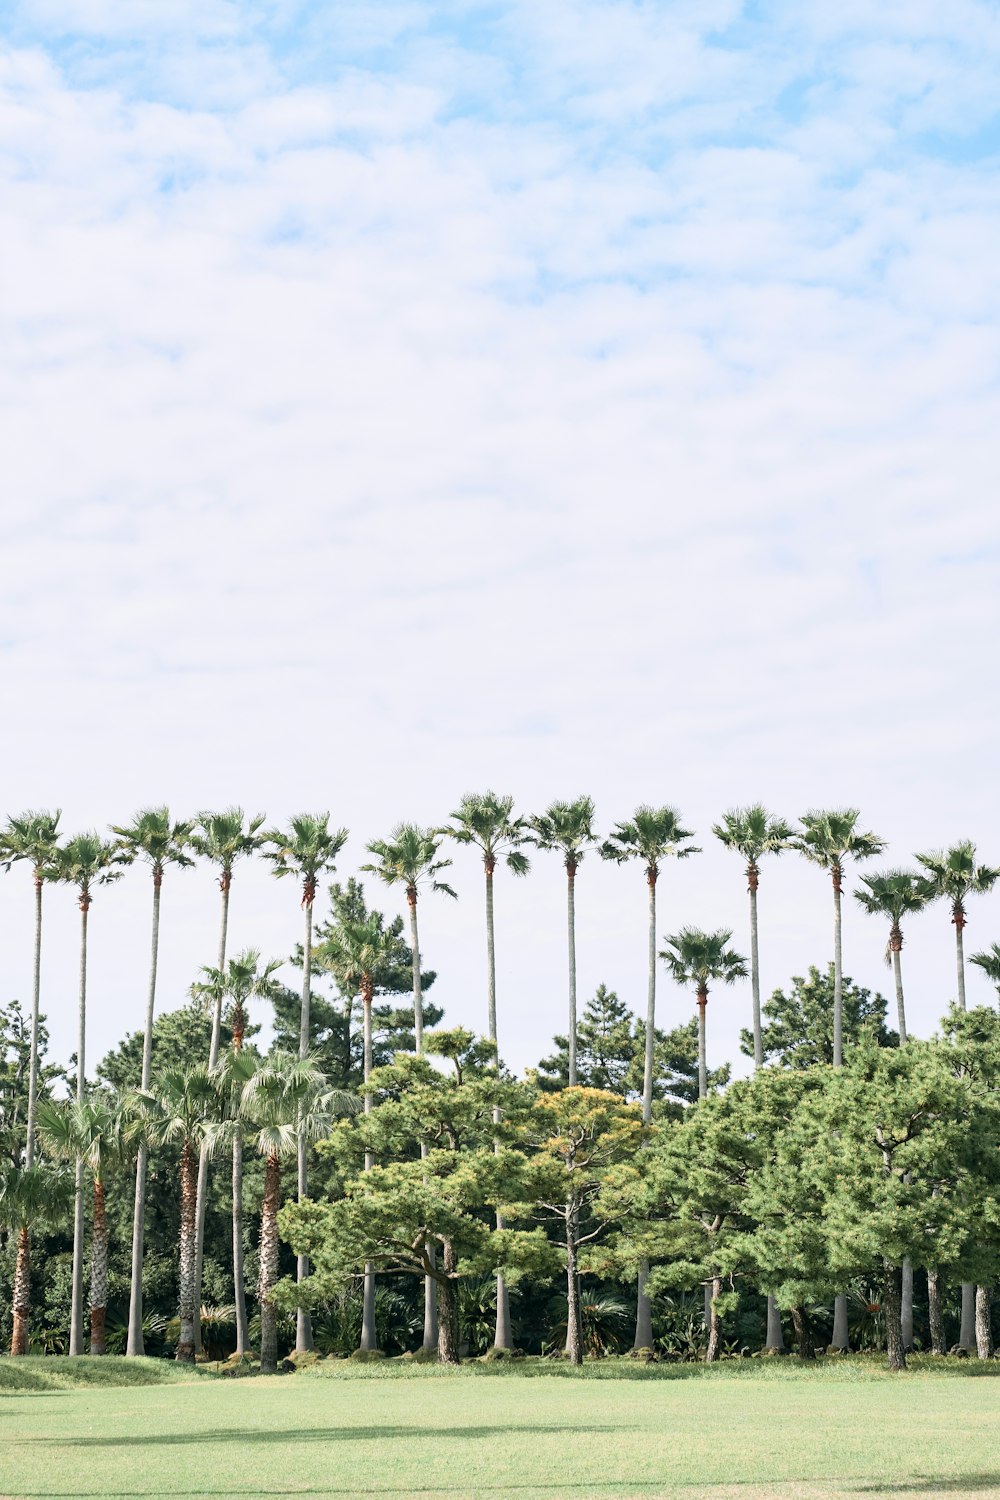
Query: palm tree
x,y
989,962
409,857
157,842
952,875
185,1106
34,1197
568,827
34,836
283,1101
828,839
653,835
91,1131
85,861
893,895
700,959
222,838
306,850
487,821
243,980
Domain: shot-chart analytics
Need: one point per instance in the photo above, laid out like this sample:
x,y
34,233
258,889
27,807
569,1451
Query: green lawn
x,y
750,1430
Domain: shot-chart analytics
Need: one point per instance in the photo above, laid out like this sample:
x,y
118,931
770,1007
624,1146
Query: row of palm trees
x,y
412,858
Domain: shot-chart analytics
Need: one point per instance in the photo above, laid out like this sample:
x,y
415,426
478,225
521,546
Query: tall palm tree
x,y
33,837
652,835
698,960
410,857
84,862
34,1197
154,840
753,832
283,1099
222,838
893,895
92,1131
953,875
487,821
243,979
306,850
989,962
184,1106
829,839
568,828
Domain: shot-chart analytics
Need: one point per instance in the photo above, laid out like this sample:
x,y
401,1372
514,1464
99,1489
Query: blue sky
x,y
402,399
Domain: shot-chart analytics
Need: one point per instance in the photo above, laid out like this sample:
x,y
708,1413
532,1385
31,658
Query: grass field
x,y
533,1432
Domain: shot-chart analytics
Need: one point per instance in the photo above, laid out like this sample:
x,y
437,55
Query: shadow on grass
x,y
377,1432
938,1484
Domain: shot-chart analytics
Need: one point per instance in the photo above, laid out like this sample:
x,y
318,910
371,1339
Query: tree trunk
x,y
571,942
841,1342
984,1333
36,990
76,1298
98,1271
574,1328
135,1344
958,917
189,1199
303,1317
702,1058
892,1307
714,1337
269,1265
643,1310
939,1344
758,1042
213,1058
803,1336
774,1341
369,1333
430,1340
22,1292
239,1288
967,1330
838,974
502,1337
448,1330
895,943
906,1307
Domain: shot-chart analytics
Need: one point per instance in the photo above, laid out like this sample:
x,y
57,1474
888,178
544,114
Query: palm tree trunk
x,y
135,1344
959,921
571,944
939,1344
803,1337
269,1265
906,1306
967,1333
239,1289
758,1041
189,1199
574,1328
448,1330
502,1336
430,1340
897,974
22,1292
840,1341
702,1054
984,1334
369,1333
98,1271
213,1058
967,1328
714,1338
36,990
643,1310
892,1307
76,1300
774,1342
303,1317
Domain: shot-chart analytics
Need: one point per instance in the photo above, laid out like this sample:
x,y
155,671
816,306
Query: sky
x,y
405,399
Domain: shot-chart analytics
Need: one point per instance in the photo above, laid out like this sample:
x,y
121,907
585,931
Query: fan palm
x,y
410,858
184,1106
953,875
989,962
698,960
568,828
829,839
153,840
893,895
222,838
652,835
31,1198
93,1133
33,837
486,820
283,1101
84,862
242,980
306,850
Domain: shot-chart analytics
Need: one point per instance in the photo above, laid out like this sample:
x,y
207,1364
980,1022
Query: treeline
x,y
475,1154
